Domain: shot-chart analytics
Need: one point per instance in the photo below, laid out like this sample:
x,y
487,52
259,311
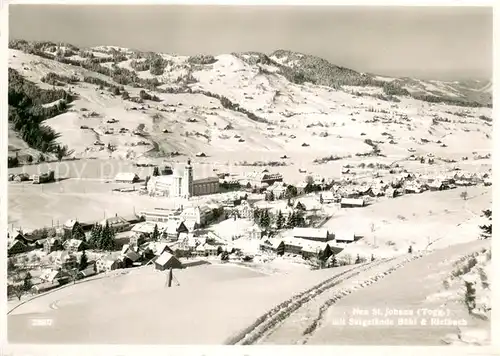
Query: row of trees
x,y
263,218
102,237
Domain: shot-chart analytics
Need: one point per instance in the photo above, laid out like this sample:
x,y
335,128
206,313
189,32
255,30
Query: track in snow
x,y
270,320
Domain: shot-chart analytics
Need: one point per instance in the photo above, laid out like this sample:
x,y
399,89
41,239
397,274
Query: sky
x,y
448,43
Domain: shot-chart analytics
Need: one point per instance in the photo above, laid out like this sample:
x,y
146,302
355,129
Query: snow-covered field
x,y
211,303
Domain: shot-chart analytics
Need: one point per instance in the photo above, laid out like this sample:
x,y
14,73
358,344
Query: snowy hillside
x,y
130,103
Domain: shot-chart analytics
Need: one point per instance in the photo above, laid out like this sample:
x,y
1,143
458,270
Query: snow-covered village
x,y
226,187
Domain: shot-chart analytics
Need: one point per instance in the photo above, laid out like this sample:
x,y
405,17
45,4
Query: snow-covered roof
x,y
352,201
72,243
319,233
126,176
164,258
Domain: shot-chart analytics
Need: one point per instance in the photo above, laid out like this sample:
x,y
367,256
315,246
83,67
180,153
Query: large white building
x,y
182,184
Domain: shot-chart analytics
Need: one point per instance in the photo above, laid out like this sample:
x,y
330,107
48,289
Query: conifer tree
x,y
83,261
107,241
280,220
77,232
27,282
95,236
156,233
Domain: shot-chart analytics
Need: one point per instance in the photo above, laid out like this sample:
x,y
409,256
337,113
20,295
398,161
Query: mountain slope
x,y
133,103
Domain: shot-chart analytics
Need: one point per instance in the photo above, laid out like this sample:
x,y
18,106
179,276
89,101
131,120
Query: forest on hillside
x,y
28,111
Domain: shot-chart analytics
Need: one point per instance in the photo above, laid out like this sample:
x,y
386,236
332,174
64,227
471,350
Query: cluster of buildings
x,y
309,242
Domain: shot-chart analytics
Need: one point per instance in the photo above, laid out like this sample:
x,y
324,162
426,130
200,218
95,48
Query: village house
x,y
130,258
145,229
52,276
64,260
201,215
414,188
327,197
352,203
117,223
174,227
44,287
16,246
52,244
91,270
244,210
167,261
255,232
124,177
313,234
17,235
313,249
301,187
74,245
272,245
308,204
107,263
293,246
346,237
210,250
278,189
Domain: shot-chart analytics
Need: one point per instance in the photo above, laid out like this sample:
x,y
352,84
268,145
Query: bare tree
x,y
464,195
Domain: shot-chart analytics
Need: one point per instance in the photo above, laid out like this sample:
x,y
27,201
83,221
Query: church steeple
x,y
187,180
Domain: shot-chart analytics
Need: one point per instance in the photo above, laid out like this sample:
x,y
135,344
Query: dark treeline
x,y
27,113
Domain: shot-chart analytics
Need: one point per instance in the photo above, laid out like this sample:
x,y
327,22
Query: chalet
x,y
17,235
74,245
130,258
437,184
124,177
414,188
157,248
312,234
346,237
271,245
52,244
312,249
167,261
15,246
117,223
51,276
106,264
173,228
352,203
307,205
293,246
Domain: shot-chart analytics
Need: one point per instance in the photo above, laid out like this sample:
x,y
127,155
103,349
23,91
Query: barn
x,y
167,261
352,203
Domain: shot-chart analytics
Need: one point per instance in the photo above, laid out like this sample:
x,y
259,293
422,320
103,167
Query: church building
x,y
182,184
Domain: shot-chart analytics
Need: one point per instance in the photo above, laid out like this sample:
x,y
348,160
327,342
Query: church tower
x,y
187,181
